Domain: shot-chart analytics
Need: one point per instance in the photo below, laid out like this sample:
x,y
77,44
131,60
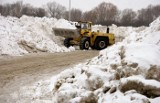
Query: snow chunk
x,y
150,88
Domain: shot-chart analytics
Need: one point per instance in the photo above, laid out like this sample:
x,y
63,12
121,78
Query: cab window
x,y
84,26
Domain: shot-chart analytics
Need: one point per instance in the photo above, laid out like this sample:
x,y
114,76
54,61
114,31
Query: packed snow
x,y
23,35
127,72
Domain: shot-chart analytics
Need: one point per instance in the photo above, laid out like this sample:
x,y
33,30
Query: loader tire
x,y
84,43
101,43
67,42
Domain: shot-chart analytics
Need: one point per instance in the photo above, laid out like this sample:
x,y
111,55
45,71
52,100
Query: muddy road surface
x,y
20,71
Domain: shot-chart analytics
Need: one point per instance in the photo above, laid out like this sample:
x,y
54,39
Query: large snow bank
x,y
30,34
127,72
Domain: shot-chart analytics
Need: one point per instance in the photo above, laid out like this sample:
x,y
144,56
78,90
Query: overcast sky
x,y
86,5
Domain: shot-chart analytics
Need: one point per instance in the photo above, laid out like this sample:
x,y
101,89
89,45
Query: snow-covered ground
x,y
30,34
127,72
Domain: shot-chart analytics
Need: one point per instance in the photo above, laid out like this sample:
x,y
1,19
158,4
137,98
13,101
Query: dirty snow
x,y
30,34
127,72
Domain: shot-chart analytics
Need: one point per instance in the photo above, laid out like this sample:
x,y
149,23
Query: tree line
x,y
104,13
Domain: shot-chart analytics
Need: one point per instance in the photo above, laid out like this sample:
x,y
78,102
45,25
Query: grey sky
x,y
86,5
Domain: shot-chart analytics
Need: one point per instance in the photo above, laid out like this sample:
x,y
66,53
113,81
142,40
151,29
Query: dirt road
x,y
23,70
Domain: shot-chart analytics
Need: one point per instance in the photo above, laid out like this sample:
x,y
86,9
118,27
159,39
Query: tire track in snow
x,y
23,70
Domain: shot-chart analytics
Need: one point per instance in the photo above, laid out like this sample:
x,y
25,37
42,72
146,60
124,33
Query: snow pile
x,y
120,32
62,23
30,34
127,72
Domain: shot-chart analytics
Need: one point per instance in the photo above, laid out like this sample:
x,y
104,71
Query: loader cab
x,y
84,27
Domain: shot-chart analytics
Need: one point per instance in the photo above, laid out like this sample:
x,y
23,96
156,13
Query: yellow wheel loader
x,y
84,37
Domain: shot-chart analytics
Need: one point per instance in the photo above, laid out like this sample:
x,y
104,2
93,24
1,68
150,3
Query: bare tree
x,y
149,14
6,10
128,17
145,16
28,10
1,9
156,11
76,14
90,16
40,12
106,13
16,9
55,10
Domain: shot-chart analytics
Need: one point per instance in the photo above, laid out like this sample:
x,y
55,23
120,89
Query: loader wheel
x,y
67,42
84,43
101,43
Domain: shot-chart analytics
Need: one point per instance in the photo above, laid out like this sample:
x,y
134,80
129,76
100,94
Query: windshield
x,y
84,26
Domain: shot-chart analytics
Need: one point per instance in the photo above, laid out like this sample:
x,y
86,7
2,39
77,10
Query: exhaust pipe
x,y
107,29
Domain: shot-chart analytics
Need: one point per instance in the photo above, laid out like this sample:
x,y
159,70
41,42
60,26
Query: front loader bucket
x,y
67,33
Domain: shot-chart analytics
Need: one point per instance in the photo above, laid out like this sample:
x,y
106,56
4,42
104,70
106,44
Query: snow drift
x,y
30,34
